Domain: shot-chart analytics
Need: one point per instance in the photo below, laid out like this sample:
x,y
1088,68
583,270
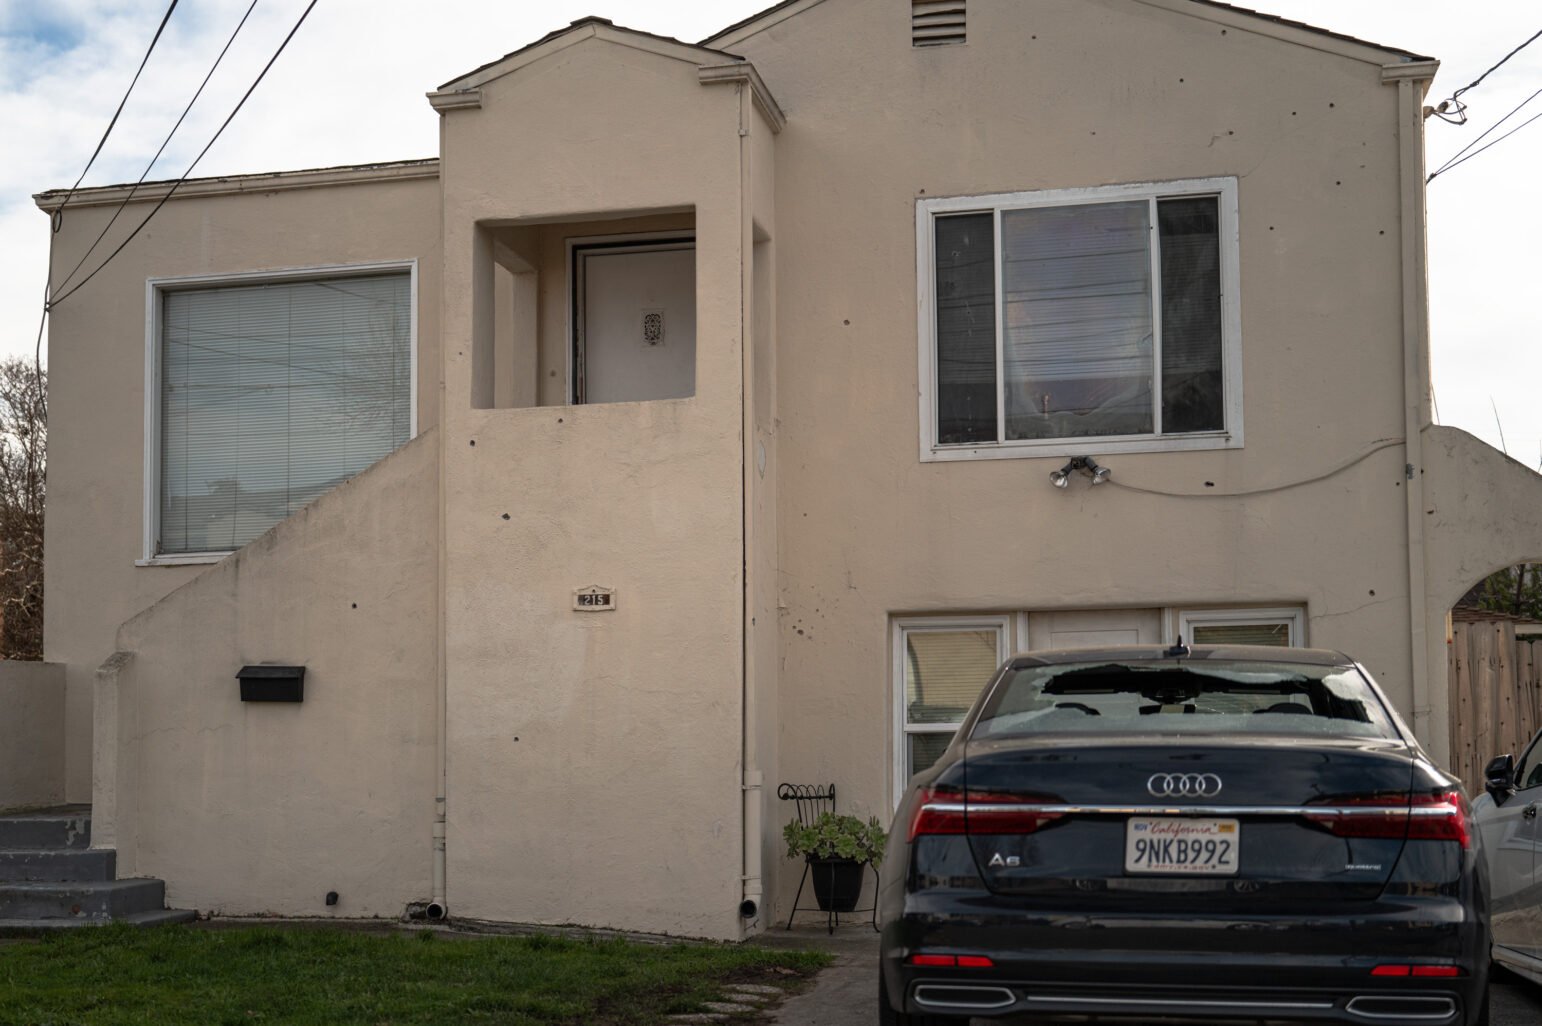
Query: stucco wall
x,y
249,808
594,757
1068,93
1483,512
31,734
96,364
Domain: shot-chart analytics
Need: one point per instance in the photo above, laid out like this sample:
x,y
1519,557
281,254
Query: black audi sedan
x,y
1138,834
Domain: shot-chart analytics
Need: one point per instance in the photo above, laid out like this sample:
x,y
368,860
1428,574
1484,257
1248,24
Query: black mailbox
x,y
272,683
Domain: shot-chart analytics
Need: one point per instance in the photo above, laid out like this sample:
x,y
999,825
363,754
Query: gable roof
x,y
1268,24
583,28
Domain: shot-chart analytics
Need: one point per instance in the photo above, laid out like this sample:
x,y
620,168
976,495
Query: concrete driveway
x,y
846,994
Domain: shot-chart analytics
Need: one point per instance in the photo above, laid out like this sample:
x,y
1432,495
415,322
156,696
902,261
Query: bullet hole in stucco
x,y
505,516
1373,592
1382,232
1292,113
1230,132
847,323
559,420
516,739
1332,105
355,605
923,192
1223,32
1271,227
1338,183
1180,80
1209,484
473,442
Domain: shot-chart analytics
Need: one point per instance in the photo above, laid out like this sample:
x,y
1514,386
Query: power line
x,y
1457,159
59,214
166,142
57,219
179,181
1474,83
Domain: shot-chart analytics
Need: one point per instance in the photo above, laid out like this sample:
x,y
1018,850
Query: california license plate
x,y
1180,845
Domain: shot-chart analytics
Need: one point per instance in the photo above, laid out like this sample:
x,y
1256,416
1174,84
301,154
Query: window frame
x,y
155,291
900,628
1523,765
1293,616
927,212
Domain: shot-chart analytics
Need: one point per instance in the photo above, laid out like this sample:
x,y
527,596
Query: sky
x,y
64,65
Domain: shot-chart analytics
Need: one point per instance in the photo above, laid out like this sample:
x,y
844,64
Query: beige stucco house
x,y
698,408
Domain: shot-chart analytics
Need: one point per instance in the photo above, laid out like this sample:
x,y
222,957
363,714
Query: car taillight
x,y
946,811
1430,816
950,961
939,810
1446,971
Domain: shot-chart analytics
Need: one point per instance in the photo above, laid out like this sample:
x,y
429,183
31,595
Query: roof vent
x,y
936,22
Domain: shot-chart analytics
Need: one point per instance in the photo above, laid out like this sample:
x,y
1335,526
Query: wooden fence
x,y
1496,695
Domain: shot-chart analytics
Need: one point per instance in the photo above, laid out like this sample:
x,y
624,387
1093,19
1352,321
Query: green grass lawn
x,y
325,977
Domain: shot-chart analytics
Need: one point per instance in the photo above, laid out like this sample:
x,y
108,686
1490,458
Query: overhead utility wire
x,y
178,183
56,221
1473,84
1454,106
1457,159
166,142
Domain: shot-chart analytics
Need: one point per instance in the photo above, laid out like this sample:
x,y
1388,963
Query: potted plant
x,y
836,848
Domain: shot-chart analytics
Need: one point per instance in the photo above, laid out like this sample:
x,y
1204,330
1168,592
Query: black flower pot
x,y
837,883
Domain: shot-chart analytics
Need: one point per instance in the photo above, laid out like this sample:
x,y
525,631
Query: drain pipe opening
x,y
436,911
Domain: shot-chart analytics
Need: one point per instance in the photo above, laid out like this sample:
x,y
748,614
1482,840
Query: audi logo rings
x,y
1184,785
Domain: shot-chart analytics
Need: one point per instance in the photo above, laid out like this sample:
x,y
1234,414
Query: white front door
x,y
637,330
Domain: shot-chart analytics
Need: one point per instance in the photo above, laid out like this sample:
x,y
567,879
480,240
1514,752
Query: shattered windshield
x,y
1182,698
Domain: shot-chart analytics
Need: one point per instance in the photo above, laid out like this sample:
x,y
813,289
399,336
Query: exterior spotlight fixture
x,y
1062,478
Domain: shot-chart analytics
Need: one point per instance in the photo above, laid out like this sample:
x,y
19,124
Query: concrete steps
x,y
51,878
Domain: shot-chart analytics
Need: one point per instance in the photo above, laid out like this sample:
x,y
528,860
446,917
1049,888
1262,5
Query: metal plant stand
x,y
811,802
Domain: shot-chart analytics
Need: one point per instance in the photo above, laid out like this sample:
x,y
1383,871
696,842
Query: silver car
x,y
1509,824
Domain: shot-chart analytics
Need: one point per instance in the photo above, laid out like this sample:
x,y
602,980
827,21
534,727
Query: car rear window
x,y
1183,698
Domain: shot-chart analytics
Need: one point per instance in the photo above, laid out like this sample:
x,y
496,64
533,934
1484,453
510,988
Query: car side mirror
x,y
1499,778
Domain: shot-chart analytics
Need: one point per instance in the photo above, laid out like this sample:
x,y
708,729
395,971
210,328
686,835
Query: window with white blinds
x,y
270,395
942,666
1278,627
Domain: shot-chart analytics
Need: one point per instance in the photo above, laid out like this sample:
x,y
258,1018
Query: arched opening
x,y
1494,668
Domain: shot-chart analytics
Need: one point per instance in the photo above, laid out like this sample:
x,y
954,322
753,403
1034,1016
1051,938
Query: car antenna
x,y
1179,650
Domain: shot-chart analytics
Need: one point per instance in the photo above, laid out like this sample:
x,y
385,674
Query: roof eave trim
x,y
231,185
1312,37
759,22
1419,71
446,100
660,46
744,72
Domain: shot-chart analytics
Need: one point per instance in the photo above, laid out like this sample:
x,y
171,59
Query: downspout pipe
x,y
750,784
1412,79
438,906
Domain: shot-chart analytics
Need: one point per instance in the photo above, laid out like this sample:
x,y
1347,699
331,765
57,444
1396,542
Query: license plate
x,y
1180,845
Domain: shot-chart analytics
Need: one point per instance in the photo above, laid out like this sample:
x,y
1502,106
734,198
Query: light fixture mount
x,y
1086,464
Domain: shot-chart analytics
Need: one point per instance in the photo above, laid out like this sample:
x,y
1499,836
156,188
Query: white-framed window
x,y
1282,627
941,663
264,391
1055,322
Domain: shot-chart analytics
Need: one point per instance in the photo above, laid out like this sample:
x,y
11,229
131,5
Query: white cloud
x,y
350,89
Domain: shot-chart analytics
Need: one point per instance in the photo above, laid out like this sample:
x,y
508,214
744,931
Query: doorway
x,y
634,320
